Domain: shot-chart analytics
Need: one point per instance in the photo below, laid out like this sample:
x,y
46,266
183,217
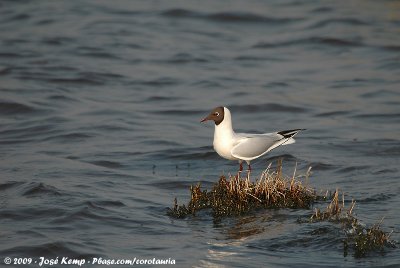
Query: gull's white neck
x,y
224,136
224,129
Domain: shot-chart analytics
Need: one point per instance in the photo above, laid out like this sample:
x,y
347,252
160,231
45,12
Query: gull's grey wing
x,y
250,147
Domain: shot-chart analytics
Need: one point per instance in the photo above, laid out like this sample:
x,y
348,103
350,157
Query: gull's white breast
x,y
223,146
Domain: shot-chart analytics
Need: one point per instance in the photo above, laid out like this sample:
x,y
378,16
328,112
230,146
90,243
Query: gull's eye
x,y
216,113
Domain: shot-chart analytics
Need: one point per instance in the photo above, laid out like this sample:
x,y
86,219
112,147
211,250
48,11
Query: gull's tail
x,y
289,134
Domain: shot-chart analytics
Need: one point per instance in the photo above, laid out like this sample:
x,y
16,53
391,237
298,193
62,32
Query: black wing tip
x,y
290,133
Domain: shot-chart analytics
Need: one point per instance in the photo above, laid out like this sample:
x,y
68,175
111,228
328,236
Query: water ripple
x,y
228,17
40,189
13,108
333,42
107,164
51,249
9,185
381,197
268,107
335,21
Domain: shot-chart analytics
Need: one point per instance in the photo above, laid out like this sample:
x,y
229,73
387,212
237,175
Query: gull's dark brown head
x,y
217,115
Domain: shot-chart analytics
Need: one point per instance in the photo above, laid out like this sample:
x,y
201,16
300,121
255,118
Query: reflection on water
x,y
246,227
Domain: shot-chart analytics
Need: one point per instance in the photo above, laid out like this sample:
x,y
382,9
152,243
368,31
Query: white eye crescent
x,y
216,113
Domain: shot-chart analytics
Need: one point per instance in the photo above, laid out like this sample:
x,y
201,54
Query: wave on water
x,y
56,248
203,153
389,117
268,107
79,81
40,189
380,197
178,112
228,17
393,48
335,21
10,184
13,108
158,82
333,42
88,213
107,164
382,93
156,99
322,237
32,213
26,133
69,137
333,113
20,55
185,58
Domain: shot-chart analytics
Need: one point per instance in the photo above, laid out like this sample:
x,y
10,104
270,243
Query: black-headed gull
x,y
244,146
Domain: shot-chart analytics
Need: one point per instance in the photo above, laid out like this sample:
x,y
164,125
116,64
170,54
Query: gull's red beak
x,y
205,119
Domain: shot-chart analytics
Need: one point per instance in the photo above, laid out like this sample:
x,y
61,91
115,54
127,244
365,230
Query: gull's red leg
x,y
240,166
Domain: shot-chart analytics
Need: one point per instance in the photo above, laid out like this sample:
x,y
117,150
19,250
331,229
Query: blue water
x,y
99,125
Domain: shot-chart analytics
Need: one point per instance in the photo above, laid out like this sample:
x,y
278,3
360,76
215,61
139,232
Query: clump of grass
x,y
363,240
335,211
237,195
358,238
